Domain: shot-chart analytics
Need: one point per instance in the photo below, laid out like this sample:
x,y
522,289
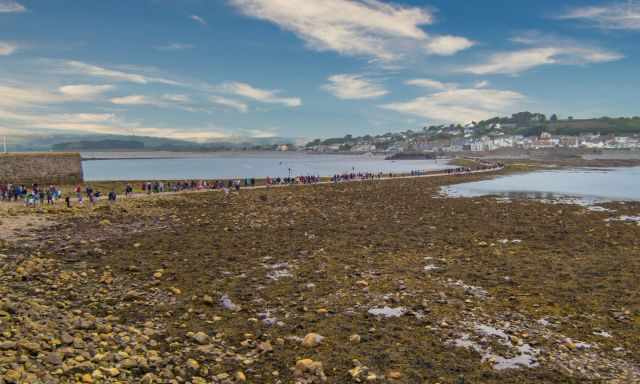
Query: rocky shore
x,y
361,282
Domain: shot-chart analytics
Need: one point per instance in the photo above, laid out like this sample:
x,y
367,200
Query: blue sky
x,y
215,69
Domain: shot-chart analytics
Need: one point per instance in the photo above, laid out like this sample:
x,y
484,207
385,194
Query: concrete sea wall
x,y
42,168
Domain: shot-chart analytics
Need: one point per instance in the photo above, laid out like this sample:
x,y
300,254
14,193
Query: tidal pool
x,y
578,185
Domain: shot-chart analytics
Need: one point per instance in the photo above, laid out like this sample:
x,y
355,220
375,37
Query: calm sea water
x,y
168,166
584,185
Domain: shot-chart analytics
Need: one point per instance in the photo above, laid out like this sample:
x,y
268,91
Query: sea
x,y
579,185
110,166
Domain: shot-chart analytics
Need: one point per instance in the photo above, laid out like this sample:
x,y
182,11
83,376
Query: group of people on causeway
x,y
36,195
32,196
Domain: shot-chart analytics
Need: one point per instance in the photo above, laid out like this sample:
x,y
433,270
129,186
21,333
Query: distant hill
x,y
98,145
97,142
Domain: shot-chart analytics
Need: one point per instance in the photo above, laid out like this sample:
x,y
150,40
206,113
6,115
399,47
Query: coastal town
x,y
521,131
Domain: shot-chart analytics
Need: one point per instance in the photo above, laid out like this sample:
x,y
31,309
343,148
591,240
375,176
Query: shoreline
x,y
366,279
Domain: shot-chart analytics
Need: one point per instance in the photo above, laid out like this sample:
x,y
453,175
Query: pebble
x,y
312,340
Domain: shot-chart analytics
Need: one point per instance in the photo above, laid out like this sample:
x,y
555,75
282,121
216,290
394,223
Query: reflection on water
x,y
581,186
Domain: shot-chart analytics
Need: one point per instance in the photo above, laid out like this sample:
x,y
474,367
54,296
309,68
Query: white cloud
x,y
7,49
133,100
448,45
229,103
459,105
84,91
481,84
174,98
432,84
372,28
175,47
353,87
198,19
544,51
610,16
78,67
10,6
261,95
23,96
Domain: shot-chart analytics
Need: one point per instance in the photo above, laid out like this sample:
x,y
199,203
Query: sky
x,y
216,69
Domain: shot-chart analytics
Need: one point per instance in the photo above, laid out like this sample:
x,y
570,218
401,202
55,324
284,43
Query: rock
x,y
66,338
193,364
176,291
29,346
113,372
208,300
200,337
308,367
240,376
87,378
128,364
355,338
54,358
394,375
312,340
12,376
7,345
148,378
265,347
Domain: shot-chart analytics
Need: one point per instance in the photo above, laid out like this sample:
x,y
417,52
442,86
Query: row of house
x,y
485,143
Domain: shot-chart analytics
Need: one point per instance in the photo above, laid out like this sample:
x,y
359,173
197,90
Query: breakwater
x,y
43,168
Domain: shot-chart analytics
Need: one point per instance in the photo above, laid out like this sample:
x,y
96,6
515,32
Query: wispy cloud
x,y
7,49
542,51
481,84
174,47
10,6
431,84
80,68
353,87
459,105
198,19
230,103
85,91
164,101
380,30
176,98
448,45
261,95
608,16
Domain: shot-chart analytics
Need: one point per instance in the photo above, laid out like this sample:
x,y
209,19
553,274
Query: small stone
x,y
208,300
265,347
12,376
312,340
113,372
201,338
240,376
355,338
54,358
176,291
193,364
87,378
394,375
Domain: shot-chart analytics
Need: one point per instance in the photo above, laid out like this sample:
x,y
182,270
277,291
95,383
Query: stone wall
x,y
42,168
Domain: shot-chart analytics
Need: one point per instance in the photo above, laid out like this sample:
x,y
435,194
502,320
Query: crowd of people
x,y
32,196
36,195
